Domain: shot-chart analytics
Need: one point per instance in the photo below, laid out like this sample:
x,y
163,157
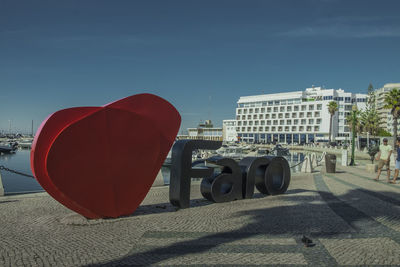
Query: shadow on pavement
x,y
333,218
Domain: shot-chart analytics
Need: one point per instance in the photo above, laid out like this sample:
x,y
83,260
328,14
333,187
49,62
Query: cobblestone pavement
x,y
352,220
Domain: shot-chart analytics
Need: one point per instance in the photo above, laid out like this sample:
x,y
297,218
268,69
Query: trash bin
x,y
330,163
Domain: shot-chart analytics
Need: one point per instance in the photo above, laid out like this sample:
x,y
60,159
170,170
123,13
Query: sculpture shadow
x,y
333,218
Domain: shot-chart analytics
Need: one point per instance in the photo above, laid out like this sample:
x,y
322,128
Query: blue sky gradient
x,y
199,55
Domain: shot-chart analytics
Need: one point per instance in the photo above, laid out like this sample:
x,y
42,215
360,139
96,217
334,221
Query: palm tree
x,y
332,108
392,102
370,121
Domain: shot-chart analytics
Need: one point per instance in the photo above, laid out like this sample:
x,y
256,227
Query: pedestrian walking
x,y
383,158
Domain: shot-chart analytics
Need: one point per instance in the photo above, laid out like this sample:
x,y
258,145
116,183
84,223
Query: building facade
x,y
295,117
386,118
204,131
229,133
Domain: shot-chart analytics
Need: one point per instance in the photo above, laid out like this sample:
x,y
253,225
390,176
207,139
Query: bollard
x,y
306,166
314,161
344,157
1,187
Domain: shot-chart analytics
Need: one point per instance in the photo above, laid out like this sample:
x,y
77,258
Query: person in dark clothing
x,y
396,171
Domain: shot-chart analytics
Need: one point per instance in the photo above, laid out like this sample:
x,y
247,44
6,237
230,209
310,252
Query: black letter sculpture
x,y
225,186
182,171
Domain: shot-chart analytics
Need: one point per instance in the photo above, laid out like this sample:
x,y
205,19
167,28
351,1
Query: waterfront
x,y
20,161
14,183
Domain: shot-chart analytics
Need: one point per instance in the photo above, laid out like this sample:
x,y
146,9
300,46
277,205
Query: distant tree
x,y
359,125
383,133
370,121
392,102
332,108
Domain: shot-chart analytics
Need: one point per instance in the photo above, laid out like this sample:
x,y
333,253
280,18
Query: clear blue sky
x,y
199,55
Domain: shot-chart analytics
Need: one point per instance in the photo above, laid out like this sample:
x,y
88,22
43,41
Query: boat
x,y
8,148
281,151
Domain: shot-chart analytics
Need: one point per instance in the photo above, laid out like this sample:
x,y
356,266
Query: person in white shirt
x,y
383,158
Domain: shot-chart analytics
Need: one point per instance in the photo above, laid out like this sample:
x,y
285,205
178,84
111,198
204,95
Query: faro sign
x,y
101,161
270,175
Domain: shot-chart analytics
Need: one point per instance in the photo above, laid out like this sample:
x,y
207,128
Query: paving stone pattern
x,y
352,220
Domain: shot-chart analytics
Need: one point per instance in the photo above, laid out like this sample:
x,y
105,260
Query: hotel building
x,y
295,117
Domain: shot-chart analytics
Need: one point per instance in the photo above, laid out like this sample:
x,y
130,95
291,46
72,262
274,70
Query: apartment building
x,y
386,119
295,117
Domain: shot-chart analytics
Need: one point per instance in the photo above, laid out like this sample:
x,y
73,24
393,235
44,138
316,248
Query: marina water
x,y
20,161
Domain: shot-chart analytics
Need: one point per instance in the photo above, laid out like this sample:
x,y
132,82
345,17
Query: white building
x,y
204,131
295,117
229,133
384,114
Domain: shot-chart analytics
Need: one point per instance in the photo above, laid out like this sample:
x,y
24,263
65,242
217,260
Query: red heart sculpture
x,y
102,161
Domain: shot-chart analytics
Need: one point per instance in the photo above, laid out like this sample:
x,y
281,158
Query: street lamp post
x,y
353,131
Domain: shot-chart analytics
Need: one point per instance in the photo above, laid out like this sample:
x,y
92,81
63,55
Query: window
x,y
283,102
289,122
267,129
263,110
280,129
301,115
295,122
267,116
274,116
249,117
309,128
303,107
275,122
287,115
268,109
262,122
281,122
289,108
296,108
273,128
254,117
319,107
294,128
294,115
261,116
251,110
301,128
310,121
243,117
282,109
316,128
280,115
318,121
275,109
309,114
303,121
256,123
256,110
237,117
250,122
311,107
239,123
268,122
316,114
276,102
239,111
287,129
260,129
